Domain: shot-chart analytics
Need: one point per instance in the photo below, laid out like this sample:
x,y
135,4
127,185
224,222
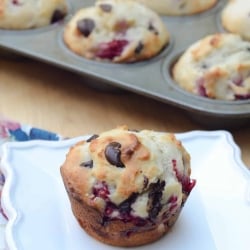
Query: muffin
x,y
127,188
216,67
27,14
179,7
235,18
116,31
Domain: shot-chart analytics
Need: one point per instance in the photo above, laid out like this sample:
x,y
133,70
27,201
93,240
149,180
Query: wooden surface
x,y
50,98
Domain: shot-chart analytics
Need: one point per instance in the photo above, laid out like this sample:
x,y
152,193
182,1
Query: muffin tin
x,y
151,78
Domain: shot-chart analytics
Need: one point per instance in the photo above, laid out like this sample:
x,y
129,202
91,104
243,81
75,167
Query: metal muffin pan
x,y
151,78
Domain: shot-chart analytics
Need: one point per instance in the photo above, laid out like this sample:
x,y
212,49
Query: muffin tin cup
x,y
151,78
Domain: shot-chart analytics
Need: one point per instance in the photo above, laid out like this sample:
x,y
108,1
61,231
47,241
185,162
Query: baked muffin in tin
x,y
217,67
116,31
28,14
235,18
127,188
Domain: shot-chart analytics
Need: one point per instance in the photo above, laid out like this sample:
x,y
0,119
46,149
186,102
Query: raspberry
x,y
237,80
200,87
101,190
15,2
111,49
242,97
155,195
187,183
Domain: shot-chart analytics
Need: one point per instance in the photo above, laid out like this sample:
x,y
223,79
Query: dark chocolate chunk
x,y
125,206
86,26
155,210
91,138
113,154
155,195
139,48
204,66
57,16
87,164
153,29
145,182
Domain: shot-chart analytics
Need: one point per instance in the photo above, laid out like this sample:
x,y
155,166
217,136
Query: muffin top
x,y
235,18
216,67
179,7
27,14
141,171
116,31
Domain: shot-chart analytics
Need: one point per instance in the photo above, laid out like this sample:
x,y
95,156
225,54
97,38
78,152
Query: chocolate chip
x,y
155,195
155,210
139,48
204,66
145,182
156,188
91,138
106,7
57,16
113,154
153,29
125,206
86,26
87,164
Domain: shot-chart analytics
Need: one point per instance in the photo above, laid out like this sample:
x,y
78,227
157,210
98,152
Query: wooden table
x,y
47,97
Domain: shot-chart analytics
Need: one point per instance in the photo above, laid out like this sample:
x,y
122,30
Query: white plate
x,y
216,215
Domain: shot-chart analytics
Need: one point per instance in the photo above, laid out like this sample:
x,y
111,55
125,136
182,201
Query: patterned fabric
x,y
13,131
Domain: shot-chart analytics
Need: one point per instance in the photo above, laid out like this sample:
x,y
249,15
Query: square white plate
x,y
216,215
